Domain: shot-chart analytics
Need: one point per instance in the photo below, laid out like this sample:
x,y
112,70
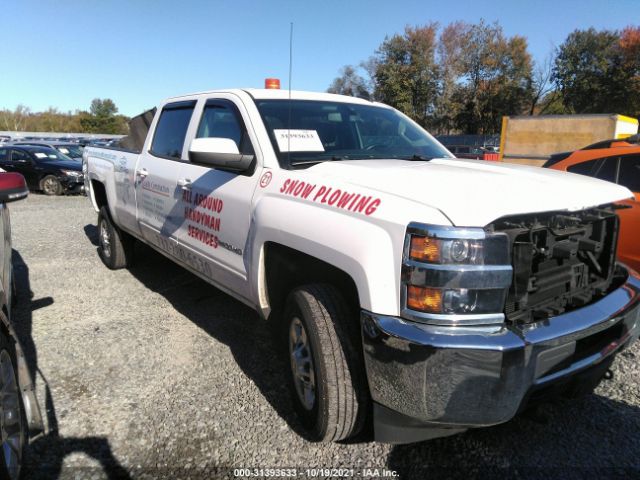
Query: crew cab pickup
x,y
424,293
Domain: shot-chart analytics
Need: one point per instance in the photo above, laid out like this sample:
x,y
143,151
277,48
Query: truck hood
x,y
475,193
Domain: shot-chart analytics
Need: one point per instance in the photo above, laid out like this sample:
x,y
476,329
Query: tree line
x,y
464,78
102,117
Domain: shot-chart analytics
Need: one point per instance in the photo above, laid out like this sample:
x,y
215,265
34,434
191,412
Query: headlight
x,y
465,251
72,173
455,276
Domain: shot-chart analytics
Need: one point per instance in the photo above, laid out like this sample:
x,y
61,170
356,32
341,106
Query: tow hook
x,y
608,375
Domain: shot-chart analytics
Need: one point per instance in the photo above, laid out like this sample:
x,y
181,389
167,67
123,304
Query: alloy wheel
x,y
50,186
302,363
105,238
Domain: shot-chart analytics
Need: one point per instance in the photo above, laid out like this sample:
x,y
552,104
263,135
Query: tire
x,y
12,421
50,185
115,247
326,376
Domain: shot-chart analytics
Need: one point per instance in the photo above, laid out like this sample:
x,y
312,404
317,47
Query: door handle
x,y
142,172
184,183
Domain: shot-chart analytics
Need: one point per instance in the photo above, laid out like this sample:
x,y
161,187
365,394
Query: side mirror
x,y
12,187
220,153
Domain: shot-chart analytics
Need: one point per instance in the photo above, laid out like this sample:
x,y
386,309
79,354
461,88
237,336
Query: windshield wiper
x,y
314,161
417,158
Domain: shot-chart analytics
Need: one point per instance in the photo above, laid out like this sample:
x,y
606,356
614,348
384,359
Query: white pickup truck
x,y
424,293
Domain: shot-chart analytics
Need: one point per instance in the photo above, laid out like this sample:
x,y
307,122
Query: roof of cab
x,y
277,94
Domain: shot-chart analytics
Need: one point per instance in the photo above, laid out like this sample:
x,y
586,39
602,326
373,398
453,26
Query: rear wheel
x,y
12,422
326,379
50,185
115,247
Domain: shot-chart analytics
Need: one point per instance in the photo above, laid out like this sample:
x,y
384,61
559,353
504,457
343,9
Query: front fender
x,y
367,248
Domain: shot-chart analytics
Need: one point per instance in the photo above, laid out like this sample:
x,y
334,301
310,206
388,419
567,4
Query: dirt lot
x,y
152,373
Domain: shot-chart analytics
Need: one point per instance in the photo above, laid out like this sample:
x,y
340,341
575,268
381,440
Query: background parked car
x,y
16,389
71,150
619,162
43,168
466,151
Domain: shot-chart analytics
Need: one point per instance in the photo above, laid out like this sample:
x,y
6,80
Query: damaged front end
x,y
561,261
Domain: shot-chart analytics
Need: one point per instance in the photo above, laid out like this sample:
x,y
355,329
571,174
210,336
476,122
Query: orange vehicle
x,y
616,161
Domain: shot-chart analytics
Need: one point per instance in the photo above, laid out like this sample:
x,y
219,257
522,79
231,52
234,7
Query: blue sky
x,y
64,53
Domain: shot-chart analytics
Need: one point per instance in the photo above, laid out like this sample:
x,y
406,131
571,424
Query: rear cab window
x,y
171,130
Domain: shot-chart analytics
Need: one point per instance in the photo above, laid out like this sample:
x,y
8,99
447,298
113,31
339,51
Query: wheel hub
x,y
105,239
302,363
50,185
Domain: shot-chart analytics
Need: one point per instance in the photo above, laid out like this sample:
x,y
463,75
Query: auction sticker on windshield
x,y
298,140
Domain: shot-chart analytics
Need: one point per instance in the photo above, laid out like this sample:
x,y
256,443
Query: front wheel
x,y
327,374
12,421
50,185
115,247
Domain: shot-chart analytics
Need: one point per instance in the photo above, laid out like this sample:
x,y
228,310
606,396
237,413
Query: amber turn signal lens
x,y
424,299
425,249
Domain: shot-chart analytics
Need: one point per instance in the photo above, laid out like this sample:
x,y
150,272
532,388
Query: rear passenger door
x,y
217,203
22,162
158,197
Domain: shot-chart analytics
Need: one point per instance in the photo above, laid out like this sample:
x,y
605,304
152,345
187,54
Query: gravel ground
x,y
152,373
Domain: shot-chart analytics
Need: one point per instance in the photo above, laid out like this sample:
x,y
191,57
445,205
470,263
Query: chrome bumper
x,y
449,379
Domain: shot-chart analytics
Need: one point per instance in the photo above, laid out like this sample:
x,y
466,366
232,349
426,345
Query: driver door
x,y
217,203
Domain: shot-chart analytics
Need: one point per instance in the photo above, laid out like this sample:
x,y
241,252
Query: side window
x,y
608,169
19,156
171,130
629,175
221,119
585,168
4,155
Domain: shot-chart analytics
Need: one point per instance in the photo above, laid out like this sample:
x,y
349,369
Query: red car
x,y
19,407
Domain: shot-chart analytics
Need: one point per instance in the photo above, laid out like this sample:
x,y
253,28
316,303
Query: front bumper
x,y
429,381
73,184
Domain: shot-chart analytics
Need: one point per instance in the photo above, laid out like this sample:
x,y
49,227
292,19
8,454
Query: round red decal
x,y
265,179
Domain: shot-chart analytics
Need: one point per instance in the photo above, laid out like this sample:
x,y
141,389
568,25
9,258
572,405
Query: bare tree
x,y
542,82
349,83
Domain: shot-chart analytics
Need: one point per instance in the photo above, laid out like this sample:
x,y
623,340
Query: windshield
x,y
324,131
73,151
50,155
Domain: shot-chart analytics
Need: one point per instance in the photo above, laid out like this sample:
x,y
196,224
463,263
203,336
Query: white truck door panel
x,y
125,180
158,197
217,203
